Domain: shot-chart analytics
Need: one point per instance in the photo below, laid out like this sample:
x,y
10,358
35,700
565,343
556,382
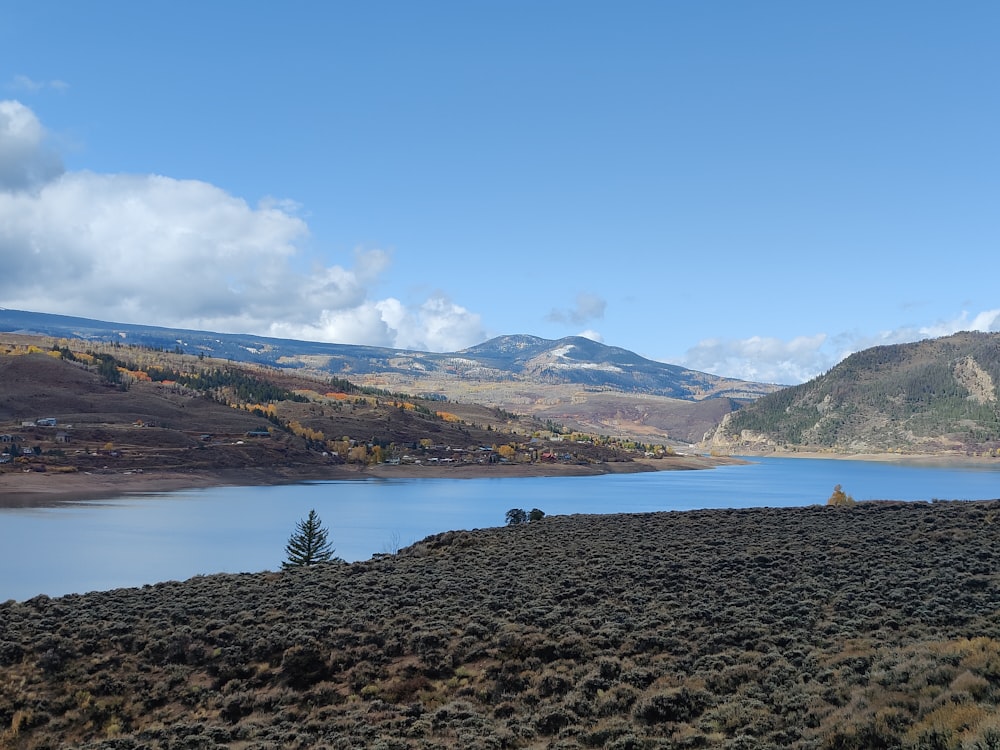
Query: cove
x,y
143,539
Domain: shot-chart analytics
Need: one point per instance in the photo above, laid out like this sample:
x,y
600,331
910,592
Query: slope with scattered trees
x,y
116,408
586,385
934,396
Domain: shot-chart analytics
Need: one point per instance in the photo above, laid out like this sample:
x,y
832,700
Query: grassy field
x,y
872,626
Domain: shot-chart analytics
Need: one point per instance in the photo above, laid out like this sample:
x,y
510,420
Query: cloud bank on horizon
x,y
154,249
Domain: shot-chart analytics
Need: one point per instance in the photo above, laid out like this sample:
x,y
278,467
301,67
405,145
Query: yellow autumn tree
x,y
340,447
840,498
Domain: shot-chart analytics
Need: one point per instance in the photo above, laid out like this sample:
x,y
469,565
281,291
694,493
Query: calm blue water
x,y
134,540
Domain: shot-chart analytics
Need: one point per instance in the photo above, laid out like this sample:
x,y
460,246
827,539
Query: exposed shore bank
x,y
908,459
36,489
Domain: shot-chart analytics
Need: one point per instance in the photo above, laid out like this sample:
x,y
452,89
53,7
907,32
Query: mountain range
x,y
577,382
934,396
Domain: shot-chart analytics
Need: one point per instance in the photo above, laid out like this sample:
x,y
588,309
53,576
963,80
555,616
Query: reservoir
x,y
142,539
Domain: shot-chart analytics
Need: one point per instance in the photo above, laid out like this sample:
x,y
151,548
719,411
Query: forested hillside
x,y
938,395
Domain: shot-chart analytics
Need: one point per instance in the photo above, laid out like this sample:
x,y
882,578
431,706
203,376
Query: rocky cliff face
x,y
720,441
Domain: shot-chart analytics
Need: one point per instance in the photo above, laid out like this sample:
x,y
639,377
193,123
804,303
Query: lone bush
x,y
516,516
839,498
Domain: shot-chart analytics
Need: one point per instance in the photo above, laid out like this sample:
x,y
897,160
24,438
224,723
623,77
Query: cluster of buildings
x,y
10,442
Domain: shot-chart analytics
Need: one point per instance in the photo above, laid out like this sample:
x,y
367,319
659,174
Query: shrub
x,y
552,721
303,666
675,704
516,516
839,498
10,653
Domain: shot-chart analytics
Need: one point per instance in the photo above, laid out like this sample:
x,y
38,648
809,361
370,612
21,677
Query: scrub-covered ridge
x,y
872,625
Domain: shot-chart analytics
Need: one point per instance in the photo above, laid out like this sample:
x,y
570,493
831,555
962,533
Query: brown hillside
x,y
233,416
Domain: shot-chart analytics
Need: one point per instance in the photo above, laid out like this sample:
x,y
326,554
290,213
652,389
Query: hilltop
x,y
816,628
938,396
578,383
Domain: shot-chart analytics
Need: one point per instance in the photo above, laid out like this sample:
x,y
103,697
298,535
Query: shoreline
x,y
45,489
910,459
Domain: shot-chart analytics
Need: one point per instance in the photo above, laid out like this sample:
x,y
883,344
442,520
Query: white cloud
x,y
986,321
24,83
437,325
26,161
772,360
153,249
589,306
362,324
592,335
760,359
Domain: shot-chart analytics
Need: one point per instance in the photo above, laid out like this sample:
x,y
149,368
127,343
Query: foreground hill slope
x,y
818,627
934,396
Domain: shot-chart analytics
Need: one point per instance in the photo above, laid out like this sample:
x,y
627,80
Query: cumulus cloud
x,y
26,160
588,307
772,360
592,335
986,321
158,250
761,359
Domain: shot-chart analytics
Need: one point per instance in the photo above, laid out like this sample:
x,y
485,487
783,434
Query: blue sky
x,y
749,189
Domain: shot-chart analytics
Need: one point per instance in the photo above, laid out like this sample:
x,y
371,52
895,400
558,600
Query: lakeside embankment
x,y
905,459
28,489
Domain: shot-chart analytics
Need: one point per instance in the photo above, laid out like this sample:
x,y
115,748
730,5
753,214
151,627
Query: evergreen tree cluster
x,y
237,384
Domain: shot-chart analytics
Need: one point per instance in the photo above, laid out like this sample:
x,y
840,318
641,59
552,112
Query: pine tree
x,y
309,544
